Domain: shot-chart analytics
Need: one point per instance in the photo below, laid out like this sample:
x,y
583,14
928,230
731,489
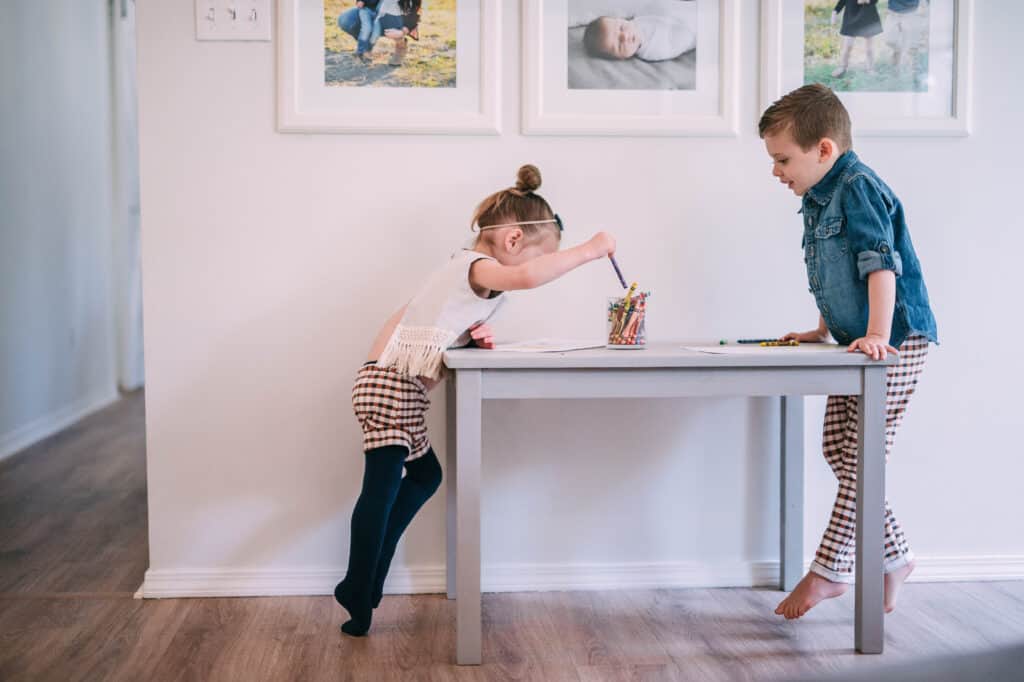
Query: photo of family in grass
x,y
632,45
867,45
389,43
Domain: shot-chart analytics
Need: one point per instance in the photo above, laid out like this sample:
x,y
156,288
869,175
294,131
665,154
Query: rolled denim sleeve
x,y
869,227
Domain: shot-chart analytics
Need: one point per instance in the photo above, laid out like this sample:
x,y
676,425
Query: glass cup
x,y
627,322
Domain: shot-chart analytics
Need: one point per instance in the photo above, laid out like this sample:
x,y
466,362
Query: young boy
x,y
871,296
650,38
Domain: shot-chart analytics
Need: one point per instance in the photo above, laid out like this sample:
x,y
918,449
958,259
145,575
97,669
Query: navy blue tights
x,y
386,505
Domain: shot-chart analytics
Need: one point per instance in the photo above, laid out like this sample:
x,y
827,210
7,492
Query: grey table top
x,y
663,355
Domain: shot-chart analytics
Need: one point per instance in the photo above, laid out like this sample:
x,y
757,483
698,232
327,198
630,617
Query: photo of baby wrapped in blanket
x,y
632,45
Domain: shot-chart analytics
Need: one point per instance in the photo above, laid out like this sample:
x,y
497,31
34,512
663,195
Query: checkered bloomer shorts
x,y
390,407
835,556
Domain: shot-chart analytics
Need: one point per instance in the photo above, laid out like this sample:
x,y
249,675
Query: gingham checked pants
x,y
835,556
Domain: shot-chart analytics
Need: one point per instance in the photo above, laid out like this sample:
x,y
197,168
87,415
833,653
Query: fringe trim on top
x,y
417,351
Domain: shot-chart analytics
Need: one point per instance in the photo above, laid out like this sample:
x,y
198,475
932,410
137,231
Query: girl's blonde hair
x,y
518,204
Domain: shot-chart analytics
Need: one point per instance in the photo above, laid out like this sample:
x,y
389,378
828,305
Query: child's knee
x,y
426,470
347,21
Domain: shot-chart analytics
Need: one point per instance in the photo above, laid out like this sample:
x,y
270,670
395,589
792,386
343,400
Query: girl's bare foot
x,y
840,70
893,582
809,591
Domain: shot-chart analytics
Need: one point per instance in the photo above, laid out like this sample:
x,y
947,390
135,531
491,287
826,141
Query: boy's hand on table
x,y
874,346
482,335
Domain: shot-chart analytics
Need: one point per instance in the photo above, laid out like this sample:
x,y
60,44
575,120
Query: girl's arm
x,y
488,274
819,335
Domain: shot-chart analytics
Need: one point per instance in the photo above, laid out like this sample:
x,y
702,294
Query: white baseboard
x,y
954,569
49,424
542,577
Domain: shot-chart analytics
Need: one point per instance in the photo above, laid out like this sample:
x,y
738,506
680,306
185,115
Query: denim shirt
x,y
853,226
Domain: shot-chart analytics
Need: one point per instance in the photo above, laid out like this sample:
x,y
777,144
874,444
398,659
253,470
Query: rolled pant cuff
x,y
830,575
889,566
897,563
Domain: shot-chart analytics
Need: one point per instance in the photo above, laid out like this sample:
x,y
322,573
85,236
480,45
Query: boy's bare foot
x,y
893,582
840,70
808,592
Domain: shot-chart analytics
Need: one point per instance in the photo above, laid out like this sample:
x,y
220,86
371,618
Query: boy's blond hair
x,y
810,113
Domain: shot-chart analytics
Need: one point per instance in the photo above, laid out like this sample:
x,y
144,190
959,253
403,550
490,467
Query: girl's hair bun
x,y
528,178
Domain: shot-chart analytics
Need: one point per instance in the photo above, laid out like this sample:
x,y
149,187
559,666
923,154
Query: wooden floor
x,y
73,550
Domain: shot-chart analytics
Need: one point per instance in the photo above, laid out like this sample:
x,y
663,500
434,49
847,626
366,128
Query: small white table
x,y
668,371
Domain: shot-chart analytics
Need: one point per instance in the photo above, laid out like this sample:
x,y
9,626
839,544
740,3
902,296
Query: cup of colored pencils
x,y
627,320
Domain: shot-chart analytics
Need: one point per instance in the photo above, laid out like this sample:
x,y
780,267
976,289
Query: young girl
x,y
860,19
517,248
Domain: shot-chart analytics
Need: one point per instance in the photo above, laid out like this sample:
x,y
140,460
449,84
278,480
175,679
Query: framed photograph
x,y
630,67
901,67
388,66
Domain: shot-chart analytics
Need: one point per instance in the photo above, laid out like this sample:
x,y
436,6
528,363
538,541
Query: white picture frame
x,y
305,104
878,113
550,107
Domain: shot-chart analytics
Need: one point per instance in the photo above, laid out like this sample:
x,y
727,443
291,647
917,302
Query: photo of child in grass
x,y
389,43
867,45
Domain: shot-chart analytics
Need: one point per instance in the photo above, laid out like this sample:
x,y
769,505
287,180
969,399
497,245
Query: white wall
x,y
56,345
271,259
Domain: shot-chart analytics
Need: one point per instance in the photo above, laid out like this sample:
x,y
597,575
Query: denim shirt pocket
x,y
830,239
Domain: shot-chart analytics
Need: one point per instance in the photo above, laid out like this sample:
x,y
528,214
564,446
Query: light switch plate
x,y
233,19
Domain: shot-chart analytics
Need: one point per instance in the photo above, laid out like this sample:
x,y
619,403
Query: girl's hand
x,y
813,336
601,244
872,345
835,17
482,335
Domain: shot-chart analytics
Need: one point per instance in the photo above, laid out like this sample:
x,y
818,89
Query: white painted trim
x,y
543,577
36,430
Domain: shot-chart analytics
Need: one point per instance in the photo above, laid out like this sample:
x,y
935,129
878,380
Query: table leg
x,y
791,523
451,469
468,404
869,596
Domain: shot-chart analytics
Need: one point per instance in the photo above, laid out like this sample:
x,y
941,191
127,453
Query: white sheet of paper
x,y
547,346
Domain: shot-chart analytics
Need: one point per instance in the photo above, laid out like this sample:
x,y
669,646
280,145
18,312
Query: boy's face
x,y
619,38
797,169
